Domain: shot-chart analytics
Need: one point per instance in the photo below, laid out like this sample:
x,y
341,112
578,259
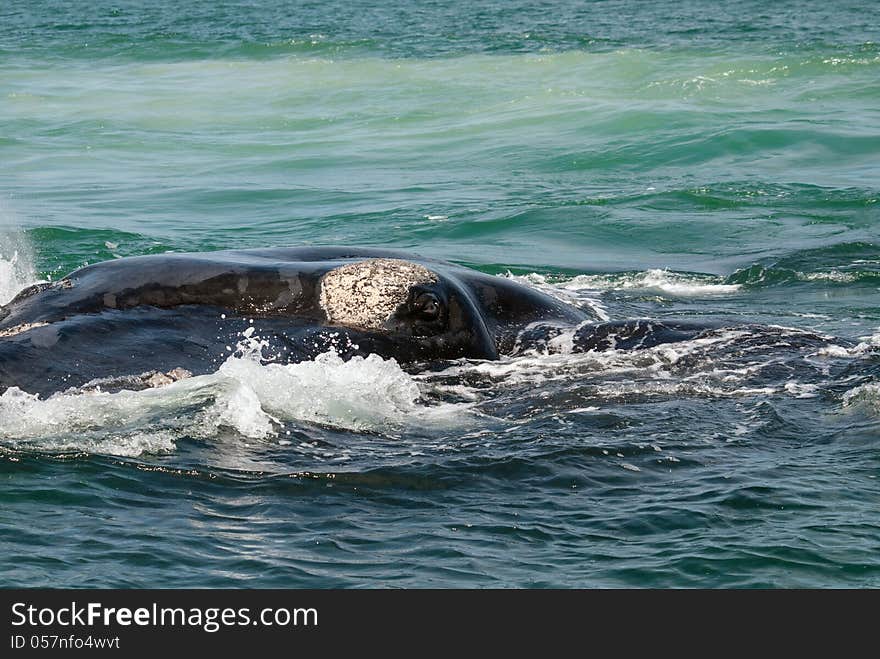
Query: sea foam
x,y
246,396
585,290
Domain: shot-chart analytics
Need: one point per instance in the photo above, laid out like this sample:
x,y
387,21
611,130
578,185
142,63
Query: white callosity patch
x,y
158,379
367,293
19,329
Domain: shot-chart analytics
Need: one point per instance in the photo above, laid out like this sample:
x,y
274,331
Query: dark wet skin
x,y
167,311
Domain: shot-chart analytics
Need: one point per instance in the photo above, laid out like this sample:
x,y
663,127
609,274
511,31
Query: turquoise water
x,y
675,160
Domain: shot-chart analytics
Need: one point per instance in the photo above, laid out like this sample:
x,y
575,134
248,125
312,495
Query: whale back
x,y
264,282
185,310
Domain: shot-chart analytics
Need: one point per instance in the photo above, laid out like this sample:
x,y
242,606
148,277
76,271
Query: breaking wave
x,y
584,290
865,398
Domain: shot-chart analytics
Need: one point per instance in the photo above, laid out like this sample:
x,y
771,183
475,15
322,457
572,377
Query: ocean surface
x,y
670,160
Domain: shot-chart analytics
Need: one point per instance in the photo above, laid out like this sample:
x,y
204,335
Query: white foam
x,y
802,390
584,290
865,398
867,347
582,296
834,350
657,280
244,395
126,423
534,367
832,275
359,394
873,340
695,367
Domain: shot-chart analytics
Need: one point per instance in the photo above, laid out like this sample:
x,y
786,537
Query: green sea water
x,y
675,160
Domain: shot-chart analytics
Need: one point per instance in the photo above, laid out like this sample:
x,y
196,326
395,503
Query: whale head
x,y
409,304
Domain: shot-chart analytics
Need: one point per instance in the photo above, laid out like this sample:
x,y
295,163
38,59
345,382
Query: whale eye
x,y
427,306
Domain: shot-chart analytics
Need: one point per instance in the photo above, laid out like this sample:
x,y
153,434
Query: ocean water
x,y
687,160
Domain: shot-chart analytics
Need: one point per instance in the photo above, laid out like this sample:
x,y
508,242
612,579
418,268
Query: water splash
x,y
252,399
16,264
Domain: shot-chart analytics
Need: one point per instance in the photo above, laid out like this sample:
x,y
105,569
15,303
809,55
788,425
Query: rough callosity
x,y
367,293
155,379
20,329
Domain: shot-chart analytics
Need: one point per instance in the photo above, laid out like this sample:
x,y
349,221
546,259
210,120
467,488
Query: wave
x,y
665,282
845,263
582,289
841,38
864,398
475,88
